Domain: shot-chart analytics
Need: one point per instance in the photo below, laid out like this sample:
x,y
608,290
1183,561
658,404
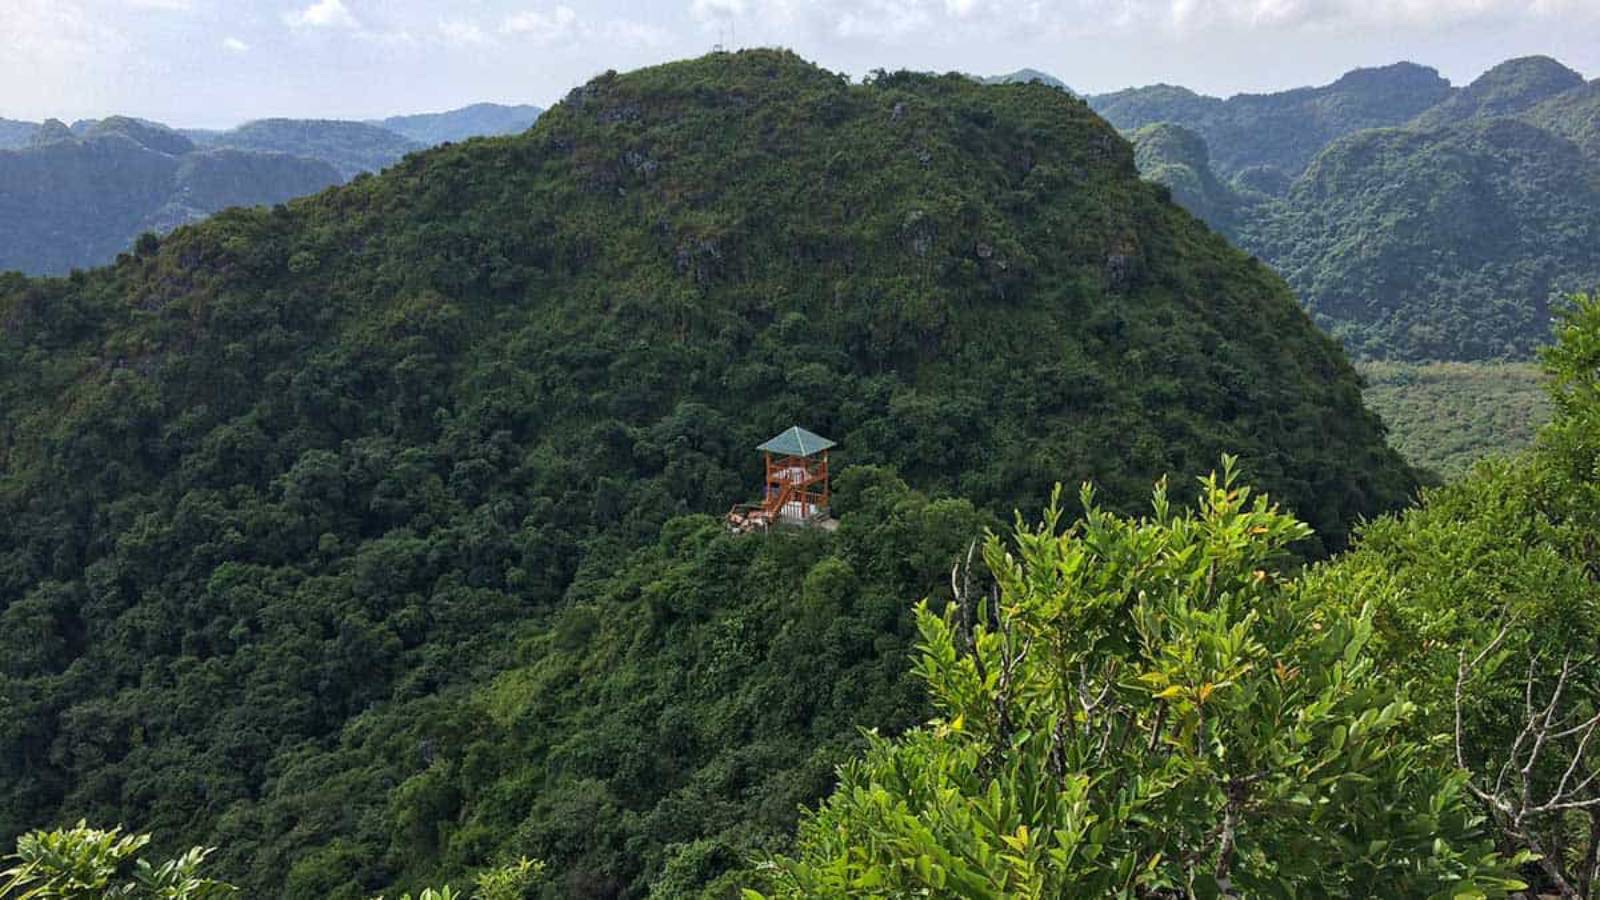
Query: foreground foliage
x,y
84,863
1150,707
1488,603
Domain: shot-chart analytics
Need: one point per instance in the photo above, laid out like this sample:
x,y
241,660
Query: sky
x,y
215,63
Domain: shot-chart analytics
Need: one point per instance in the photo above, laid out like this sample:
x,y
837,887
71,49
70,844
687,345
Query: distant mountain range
x,y
1415,219
75,196
459,124
71,199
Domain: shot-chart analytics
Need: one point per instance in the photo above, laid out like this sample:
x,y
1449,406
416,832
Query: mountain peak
x,y
437,402
149,135
1400,74
1507,89
1028,76
1283,129
1524,68
51,131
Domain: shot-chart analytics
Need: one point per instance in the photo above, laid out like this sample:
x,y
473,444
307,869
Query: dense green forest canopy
x,y
1506,89
1160,706
1177,158
1573,114
1438,244
330,531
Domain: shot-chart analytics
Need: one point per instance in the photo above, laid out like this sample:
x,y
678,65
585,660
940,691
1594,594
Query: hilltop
x,y
1506,89
366,536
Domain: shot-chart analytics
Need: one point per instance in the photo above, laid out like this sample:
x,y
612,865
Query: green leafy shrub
x,y
1487,602
1149,707
83,863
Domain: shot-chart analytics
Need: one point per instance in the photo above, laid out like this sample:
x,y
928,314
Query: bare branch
x,y
1543,733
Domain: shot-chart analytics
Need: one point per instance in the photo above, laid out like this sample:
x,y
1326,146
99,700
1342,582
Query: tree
x,y
507,882
83,863
1486,601
1149,707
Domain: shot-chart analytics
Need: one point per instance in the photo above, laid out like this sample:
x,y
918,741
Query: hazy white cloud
x,y
322,14
398,37
710,10
630,33
234,45
1185,14
167,5
891,20
46,31
560,23
462,33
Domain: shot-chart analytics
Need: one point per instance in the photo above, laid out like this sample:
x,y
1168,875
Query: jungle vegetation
x,y
373,540
1167,706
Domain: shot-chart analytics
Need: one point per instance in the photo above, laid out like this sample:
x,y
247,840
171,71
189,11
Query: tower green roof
x,y
797,442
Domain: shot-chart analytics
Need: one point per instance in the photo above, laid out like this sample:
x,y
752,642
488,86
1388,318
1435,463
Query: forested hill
x,y
327,531
1443,237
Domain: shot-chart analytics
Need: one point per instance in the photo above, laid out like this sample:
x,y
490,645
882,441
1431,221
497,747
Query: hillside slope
x,y
1574,115
1177,158
288,499
1439,244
